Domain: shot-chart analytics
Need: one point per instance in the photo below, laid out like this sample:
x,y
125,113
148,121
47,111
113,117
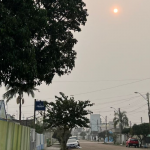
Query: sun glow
x,y
115,10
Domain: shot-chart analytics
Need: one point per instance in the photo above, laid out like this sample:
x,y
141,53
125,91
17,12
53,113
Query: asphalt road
x,y
87,145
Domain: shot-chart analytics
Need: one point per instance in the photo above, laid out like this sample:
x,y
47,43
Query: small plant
x,y
48,142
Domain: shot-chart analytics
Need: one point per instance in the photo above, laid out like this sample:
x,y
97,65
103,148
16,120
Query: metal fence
x,y
17,137
14,136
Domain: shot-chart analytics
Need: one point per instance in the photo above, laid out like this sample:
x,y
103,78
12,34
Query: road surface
x,y
87,145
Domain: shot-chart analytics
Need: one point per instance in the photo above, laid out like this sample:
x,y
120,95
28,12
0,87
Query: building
x,y
2,110
95,122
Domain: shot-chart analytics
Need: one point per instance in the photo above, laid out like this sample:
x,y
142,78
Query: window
x,y
133,140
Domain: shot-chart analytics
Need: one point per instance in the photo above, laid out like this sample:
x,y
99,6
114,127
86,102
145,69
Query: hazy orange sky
x,y
113,49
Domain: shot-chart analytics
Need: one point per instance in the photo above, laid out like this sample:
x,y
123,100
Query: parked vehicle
x,y
132,142
75,137
72,143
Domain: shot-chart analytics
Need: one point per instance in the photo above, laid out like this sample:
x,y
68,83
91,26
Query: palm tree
x,y
19,89
121,119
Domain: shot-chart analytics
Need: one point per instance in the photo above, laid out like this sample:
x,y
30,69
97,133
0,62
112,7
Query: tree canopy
x,y
104,134
141,131
66,114
36,39
121,119
127,131
12,91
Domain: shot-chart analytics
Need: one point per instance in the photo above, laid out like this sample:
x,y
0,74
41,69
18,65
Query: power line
x,y
105,97
122,101
119,100
100,80
137,108
129,111
112,87
113,97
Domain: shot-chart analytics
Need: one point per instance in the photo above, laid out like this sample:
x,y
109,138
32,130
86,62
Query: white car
x,y
72,143
75,137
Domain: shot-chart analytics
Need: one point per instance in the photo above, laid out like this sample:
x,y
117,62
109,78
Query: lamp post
x,y
119,121
147,99
114,108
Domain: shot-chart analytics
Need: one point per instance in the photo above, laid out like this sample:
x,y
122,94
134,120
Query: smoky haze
x,y
113,61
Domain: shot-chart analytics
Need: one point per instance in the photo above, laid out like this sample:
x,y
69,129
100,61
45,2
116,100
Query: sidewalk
x,y
54,147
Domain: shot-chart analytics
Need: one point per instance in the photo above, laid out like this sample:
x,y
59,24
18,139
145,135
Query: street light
x,y
114,108
147,99
140,94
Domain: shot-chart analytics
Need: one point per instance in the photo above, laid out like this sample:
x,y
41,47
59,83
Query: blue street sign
x,y
39,106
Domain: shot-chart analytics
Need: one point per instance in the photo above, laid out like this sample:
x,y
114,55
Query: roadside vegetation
x,y
65,114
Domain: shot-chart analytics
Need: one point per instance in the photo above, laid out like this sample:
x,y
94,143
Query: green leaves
x,y
141,129
120,119
67,113
36,39
18,89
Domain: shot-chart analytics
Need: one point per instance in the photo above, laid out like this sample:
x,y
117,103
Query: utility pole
x,y
147,99
130,124
141,120
147,95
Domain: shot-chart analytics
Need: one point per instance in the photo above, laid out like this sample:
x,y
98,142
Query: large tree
x,y
141,131
66,114
121,119
36,39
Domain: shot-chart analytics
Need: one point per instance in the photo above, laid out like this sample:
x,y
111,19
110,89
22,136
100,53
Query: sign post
x,y
38,106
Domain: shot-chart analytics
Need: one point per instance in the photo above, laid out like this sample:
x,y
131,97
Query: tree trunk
x,y
63,141
63,144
